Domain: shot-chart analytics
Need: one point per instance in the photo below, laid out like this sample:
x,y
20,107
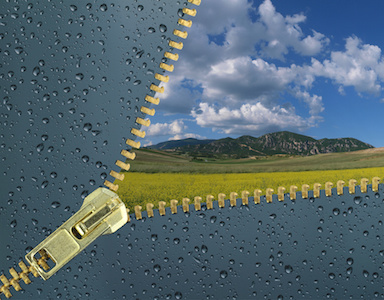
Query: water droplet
x,y
40,147
13,223
223,274
176,241
151,30
97,132
154,237
19,50
73,7
87,126
44,184
336,211
140,54
140,8
272,216
55,204
288,269
204,249
103,7
36,71
85,158
136,82
162,28
79,76
365,273
331,275
357,200
157,268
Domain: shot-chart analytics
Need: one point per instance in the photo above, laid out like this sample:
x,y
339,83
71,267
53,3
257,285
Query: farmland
x,y
151,161
171,177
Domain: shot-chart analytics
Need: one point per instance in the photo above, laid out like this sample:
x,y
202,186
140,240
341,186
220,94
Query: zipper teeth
x,y
281,196
23,275
151,100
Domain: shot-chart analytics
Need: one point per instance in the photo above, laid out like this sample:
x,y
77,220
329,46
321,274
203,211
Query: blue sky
x,y
253,67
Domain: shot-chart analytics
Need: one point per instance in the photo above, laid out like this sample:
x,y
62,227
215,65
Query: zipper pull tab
x,y
101,213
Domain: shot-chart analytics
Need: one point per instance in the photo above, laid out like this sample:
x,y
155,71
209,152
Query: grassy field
x,y
142,188
150,161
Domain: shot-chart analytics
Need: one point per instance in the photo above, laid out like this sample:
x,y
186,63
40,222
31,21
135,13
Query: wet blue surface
x,y
72,81
73,77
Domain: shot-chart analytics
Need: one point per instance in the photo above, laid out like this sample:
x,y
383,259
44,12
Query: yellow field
x,y
143,188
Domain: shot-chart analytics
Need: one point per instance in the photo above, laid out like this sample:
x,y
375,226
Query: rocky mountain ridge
x,y
283,142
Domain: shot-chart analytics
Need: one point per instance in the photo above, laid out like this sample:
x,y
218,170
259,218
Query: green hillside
x,y
283,142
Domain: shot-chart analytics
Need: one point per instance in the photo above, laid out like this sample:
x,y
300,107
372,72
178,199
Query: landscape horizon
x,y
274,143
163,175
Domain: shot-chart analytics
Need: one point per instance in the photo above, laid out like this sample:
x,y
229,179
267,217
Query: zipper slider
x,y
101,213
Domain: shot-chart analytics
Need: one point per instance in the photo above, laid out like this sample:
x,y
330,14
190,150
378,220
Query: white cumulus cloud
x,y
314,102
187,136
228,81
282,33
242,79
164,129
360,65
250,119
175,130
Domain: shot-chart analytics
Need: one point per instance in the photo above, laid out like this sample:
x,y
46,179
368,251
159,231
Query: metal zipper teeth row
x,y
23,275
151,100
257,196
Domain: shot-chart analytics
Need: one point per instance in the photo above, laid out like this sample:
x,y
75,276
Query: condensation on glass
x,y
72,81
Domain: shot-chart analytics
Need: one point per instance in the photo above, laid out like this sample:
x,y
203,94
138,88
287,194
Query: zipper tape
x,y
152,100
23,275
329,191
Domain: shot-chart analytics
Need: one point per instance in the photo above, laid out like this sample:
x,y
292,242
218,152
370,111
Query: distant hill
x,y
179,143
283,142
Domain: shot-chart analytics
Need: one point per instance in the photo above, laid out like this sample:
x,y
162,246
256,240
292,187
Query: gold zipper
x,y
257,195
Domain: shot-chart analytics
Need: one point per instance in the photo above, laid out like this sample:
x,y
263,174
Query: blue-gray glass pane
x,y
73,77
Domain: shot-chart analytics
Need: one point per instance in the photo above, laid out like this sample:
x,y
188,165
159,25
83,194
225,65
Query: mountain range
x,y
282,142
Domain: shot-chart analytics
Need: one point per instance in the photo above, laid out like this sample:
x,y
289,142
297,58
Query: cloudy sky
x,y
251,67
